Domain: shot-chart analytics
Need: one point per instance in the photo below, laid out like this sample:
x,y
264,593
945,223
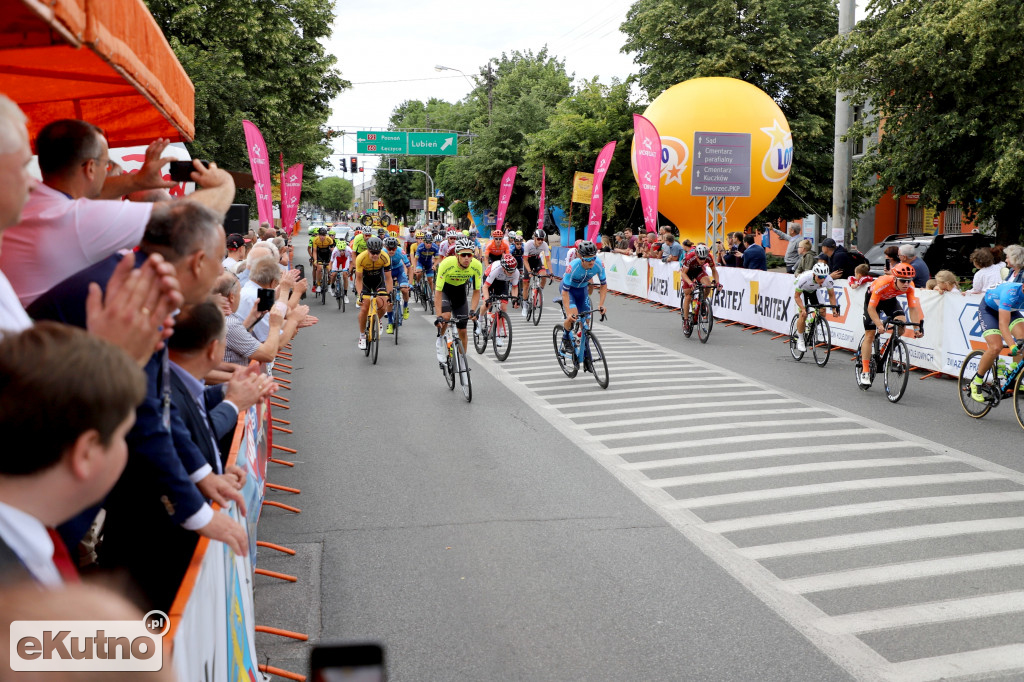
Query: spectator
x,y
946,281
793,249
908,254
998,257
931,284
67,398
606,243
652,249
754,257
766,235
75,217
264,274
807,257
619,242
839,261
861,276
988,274
734,256
630,243
242,346
687,245
671,251
15,184
233,262
1014,254
892,256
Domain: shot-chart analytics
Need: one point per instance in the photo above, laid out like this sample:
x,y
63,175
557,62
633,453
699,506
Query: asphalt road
x,y
721,512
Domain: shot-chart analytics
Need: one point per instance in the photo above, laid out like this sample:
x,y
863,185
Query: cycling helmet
x,y
577,244
465,244
322,231
508,262
453,234
390,243
702,250
382,233
498,234
438,239
473,232
342,245
586,249
518,239
820,269
540,234
903,271
374,244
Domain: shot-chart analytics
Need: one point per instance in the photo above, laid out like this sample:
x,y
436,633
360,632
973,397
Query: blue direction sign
x,y
721,164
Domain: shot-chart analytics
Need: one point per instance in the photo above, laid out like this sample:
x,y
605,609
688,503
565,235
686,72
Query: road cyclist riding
x,y
453,276
809,324
501,281
320,248
399,310
536,257
994,376
575,287
373,280
341,256
694,271
893,358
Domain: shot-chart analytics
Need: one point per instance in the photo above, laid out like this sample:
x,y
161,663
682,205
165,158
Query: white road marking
x,y
751,454
724,414
696,428
675,408
920,614
746,438
1000,659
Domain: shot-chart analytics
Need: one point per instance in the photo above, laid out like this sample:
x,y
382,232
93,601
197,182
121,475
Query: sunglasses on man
x,y
589,260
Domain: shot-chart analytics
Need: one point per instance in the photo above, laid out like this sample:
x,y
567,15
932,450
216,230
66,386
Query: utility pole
x,y
490,93
842,162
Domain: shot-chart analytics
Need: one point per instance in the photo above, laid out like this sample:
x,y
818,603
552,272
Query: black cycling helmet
x,y
390,243
540,234
586,249
374,244
322,231
382,233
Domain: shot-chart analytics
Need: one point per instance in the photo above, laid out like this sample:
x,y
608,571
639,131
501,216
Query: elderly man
x,y
70,222
242,346
793,249
908,254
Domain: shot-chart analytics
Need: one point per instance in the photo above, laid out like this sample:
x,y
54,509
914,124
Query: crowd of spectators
x,y
128,348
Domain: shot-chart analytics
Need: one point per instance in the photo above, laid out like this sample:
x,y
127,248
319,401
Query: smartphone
x,y
348,663
264,299
888,264
181,171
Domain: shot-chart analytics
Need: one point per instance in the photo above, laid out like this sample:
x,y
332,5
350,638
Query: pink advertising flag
x,y
647,159
540,212
291,193
597,197
259,161
507,180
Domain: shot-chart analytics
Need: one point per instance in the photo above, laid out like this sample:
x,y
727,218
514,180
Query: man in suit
x,y
67,401
190,237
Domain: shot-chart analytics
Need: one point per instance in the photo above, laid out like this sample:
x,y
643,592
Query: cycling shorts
x,y
427,268
399,278
373,283
323,258
492,257
498,287
988,319
890,307
579,298
534,262
695,275
454,301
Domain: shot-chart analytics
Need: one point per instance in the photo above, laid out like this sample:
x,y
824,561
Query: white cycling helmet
x,y
820,269
702,250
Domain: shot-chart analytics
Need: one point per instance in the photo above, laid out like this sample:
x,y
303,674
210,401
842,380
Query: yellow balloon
x,y
683,114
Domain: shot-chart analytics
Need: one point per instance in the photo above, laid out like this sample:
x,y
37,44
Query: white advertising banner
x,y
201,635
756,297
626,274
960,331
664,282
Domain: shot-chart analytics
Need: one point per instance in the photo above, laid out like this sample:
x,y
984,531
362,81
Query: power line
x,y
406,80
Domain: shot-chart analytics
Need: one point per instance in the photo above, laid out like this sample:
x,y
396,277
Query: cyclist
x,y
998,314
340,257
411,246
809,284
447,248
399,261
499,276
882,299
373,278
575,289
497,247
477,251
320,248
454,273
426,253
359,242
538,254
694,268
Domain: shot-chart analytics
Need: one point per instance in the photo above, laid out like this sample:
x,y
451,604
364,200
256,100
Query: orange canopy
x,y
103,61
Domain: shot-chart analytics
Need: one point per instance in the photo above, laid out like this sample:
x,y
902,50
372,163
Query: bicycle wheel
x,y
1018,399
821,338
397,317
462,367
538,305
687,317
872,368
480,333
374,344
323,288
341,293
704,321
369,334
448,369
423,295
967,371
502,336
567,363
797,354
897,370
596,361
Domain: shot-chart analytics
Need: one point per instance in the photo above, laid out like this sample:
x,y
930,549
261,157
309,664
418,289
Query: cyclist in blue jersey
x,y
998,315
426,253
575,290
399,262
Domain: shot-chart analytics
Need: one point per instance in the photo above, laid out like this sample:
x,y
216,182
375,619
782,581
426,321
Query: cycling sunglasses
x,y
904,281
589,260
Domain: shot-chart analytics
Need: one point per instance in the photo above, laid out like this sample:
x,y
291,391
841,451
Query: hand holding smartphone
x,y
348,663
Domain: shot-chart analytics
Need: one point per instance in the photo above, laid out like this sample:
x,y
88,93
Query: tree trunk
x,y
1009,221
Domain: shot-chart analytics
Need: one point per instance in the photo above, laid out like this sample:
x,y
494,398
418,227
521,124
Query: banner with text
x,y
507,181
626,274
582,187
597,196
259,162
291,188
664,282
647,161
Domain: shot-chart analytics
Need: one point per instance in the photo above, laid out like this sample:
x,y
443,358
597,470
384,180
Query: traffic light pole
x,y
430,194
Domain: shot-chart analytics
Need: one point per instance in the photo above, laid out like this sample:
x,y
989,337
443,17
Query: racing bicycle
x,y
817,335
338,289
700,304
494,324
456,364
584,349
891,357
373,330
397,310
1002,380
534,303
426,295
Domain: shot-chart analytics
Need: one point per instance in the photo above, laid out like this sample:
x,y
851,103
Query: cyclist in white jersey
x,y
808,284
501,279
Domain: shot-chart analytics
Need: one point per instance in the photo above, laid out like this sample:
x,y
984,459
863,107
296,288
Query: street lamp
x,y
449,68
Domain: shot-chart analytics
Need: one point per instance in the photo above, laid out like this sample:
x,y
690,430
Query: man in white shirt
x,y
75,460
76,218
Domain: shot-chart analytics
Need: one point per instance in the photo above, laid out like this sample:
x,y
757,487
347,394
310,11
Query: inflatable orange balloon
x,y
719,137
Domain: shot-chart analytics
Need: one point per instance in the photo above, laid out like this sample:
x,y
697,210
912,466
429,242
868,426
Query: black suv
x,y
940,251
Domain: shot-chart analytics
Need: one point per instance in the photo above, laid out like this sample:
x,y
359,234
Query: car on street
x,y
940,251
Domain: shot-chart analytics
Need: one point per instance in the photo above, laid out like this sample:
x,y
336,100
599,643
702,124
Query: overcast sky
x,y
400,41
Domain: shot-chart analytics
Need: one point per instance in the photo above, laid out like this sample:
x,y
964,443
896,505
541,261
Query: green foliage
x,y
945,79
395,190
459,210
335,194
772,44
261,61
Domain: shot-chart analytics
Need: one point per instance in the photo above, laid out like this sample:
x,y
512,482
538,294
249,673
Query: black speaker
x,y
237,219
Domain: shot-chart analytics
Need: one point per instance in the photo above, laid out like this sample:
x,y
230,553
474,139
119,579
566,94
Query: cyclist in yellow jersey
x,y
373,278
450,287
320,248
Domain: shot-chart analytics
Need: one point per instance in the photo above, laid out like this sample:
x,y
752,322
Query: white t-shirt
x,y
13,317
983,279
28,539
58,236
248,299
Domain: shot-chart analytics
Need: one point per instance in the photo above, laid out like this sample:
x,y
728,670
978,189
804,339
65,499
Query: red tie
x,y
62,558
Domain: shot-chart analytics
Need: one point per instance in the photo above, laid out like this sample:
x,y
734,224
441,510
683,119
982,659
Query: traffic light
x,y
344,168
393,165
360,169
353,162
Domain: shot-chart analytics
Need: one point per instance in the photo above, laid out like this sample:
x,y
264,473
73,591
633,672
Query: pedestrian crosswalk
x,y
899,557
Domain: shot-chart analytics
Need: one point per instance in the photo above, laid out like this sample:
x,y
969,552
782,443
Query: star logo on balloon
x,y
678,156
779,158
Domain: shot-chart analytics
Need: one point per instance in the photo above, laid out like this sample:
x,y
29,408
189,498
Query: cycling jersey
x,y
366,265
884,288
692,262
425,254
496,249
445,248
576,276
497,273
807,284
358,244
339,259
1005,296
531,250
452,274
323,246
517,253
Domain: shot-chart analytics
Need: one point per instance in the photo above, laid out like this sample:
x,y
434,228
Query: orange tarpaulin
x,y
103,61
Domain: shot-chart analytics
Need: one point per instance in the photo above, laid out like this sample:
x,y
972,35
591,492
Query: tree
x,y
395,190
261,61
459,210
773,44
335,194
944,80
